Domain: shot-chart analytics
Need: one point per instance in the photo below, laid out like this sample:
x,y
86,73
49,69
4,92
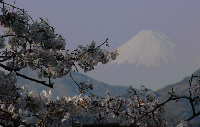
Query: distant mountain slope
x,y
182,109
180,87
66,87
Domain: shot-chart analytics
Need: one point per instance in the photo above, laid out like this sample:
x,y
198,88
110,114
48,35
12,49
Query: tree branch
x,y
20,10
26,77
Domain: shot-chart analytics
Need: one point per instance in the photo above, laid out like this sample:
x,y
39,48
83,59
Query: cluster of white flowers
x,y
47,47
46,50
39,109
30,106
90,56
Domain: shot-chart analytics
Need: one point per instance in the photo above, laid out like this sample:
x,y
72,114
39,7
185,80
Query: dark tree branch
x,y
30,41
26,77
193,116
42,82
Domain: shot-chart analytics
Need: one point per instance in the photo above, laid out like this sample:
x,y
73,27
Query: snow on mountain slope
x,y
148,48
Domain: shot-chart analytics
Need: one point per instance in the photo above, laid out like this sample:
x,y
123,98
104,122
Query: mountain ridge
x,y
65,86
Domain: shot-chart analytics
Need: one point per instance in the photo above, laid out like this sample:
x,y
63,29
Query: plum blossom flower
x,y
182,124
11,108
3,106
150,96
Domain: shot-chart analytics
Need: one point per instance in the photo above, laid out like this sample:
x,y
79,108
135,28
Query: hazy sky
x,y
81,21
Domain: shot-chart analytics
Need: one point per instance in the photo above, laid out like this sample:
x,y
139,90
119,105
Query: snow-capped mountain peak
x,y
148,47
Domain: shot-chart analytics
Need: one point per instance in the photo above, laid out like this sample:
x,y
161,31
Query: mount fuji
x,y
148,58
148,48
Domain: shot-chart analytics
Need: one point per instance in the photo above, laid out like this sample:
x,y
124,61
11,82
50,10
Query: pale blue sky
x,y
81,21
